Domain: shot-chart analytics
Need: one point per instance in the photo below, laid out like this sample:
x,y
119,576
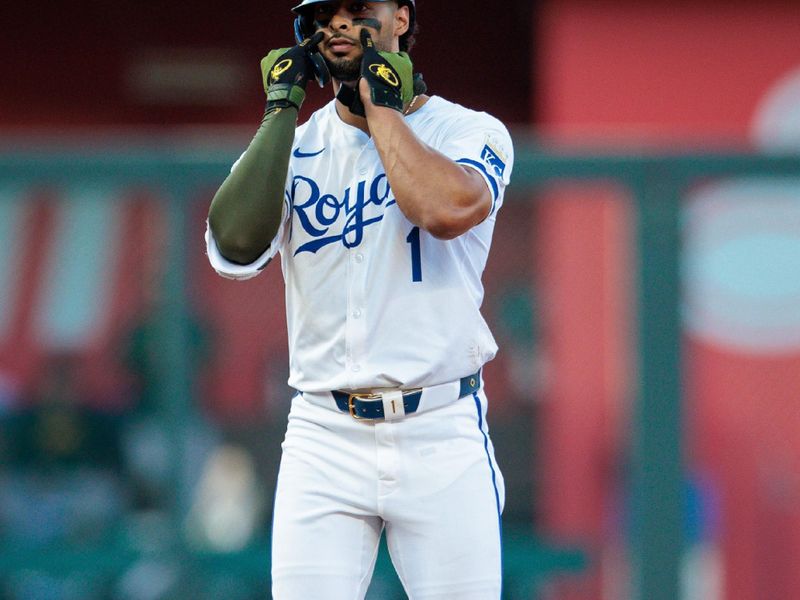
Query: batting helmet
x,y
304,23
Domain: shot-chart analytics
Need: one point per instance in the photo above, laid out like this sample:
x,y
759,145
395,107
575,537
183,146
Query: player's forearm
x,y
433,192
246,211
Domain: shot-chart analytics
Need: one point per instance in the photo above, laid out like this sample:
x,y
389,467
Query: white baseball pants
x,y
430,479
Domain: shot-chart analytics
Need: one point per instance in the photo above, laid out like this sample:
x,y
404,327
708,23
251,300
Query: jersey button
x,y
359,258
356,313
356,368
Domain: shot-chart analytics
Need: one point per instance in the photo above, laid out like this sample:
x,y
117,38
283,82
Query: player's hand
x,y
388,76
286,72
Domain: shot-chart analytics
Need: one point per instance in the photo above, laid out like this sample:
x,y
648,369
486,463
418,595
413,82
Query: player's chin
x,y
344,69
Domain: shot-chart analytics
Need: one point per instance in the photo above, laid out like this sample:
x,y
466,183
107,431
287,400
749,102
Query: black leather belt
x,y
370,406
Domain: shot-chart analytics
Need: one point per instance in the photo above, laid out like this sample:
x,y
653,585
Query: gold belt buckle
x,y
351,403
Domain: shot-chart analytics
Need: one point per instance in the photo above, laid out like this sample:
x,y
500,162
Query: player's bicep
x,y
485,199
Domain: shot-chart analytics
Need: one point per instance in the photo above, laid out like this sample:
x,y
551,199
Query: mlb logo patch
x,y
491,157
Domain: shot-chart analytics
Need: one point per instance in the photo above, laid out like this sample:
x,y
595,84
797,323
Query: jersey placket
x,y
357,268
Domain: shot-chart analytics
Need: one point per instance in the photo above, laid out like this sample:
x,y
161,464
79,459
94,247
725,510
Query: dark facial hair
x,y
343,69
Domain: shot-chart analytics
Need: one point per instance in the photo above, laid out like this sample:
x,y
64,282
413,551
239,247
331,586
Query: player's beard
x,y
349,69
345,69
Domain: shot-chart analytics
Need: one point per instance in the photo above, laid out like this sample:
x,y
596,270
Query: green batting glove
x,y
286,72
389,75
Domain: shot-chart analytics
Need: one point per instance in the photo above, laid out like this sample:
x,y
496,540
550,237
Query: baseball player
x,y
382,207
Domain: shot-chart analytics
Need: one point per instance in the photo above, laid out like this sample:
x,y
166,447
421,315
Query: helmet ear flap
x,y
321,72
298,30
301,33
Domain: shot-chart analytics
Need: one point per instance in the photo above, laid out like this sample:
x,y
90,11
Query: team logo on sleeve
x,y
492,158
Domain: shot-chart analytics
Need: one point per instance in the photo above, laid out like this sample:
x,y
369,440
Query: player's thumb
x,y
314,40
366,40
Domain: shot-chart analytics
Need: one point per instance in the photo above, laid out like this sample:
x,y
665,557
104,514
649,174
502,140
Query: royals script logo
x,y
328,219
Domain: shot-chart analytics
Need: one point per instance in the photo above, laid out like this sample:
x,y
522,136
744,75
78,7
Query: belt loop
x,y
393,405
470,384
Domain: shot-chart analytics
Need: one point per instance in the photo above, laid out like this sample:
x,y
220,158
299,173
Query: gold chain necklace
x,y
410,105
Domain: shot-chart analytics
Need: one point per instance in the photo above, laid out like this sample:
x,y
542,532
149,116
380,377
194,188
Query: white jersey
x,y
373,301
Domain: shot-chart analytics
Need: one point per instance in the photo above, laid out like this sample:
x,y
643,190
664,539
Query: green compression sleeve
x,y
246,211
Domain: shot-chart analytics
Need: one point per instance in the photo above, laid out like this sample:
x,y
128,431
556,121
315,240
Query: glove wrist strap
x,y
282,95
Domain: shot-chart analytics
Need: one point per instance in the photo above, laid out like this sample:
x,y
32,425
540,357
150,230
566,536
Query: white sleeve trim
x,y
231,270
496,187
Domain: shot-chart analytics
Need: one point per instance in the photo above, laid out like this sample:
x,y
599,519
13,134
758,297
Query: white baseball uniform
x,y
375,304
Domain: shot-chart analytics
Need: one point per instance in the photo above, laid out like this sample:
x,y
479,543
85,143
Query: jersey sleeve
x,y
231,270
481,142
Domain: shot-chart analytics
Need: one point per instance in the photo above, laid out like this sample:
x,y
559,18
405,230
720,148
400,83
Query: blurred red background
x,y
623,72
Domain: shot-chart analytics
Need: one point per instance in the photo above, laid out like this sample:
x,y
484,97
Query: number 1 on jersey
x,y
416,257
